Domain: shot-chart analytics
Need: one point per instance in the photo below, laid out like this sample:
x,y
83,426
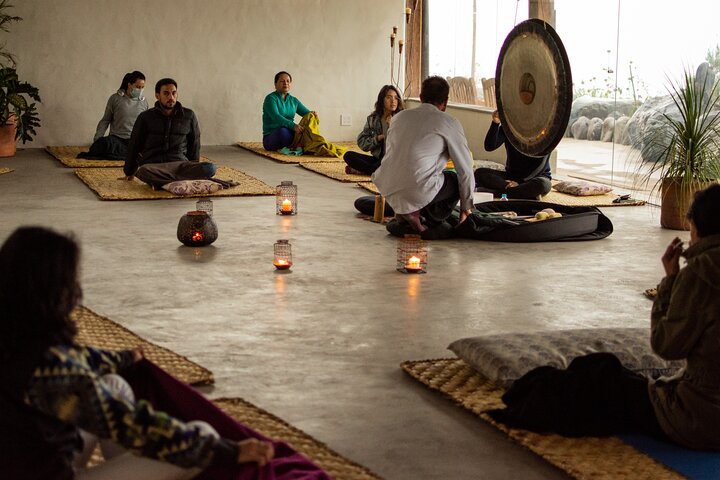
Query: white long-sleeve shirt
x,y
418,145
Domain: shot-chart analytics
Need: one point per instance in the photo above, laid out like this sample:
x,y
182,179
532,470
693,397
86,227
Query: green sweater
x,y
281,113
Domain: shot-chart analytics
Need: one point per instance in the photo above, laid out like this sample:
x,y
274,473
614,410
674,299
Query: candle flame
x,y
413,263
286,206
197,237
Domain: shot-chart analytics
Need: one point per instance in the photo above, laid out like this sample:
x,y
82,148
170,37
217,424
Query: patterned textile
x,y
192,187
582,189
506,357
67,385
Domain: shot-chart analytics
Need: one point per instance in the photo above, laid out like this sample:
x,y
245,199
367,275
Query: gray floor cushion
x,y
506,357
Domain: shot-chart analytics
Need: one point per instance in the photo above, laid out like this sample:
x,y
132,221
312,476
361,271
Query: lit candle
x,y
413,264
286,207
197,237
281,264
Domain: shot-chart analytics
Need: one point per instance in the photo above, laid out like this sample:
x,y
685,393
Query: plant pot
x,y
676,199
7,138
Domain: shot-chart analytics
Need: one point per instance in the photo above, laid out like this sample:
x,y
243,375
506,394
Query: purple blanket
x,y
170,395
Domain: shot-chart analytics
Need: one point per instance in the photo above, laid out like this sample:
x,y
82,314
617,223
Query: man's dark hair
x,y
38,290
164,81
434,90
380,103
283,72
131,78
705,211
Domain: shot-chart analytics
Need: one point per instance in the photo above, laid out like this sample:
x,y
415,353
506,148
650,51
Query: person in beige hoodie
x,y
685,324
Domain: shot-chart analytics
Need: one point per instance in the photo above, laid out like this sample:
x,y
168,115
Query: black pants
x,y
362,163
107,148
444,202
487,179
595,395
159,174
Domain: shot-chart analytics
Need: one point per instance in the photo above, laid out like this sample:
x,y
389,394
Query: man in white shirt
x,y
412,176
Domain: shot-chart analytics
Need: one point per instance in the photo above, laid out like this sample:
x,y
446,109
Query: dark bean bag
x,y
576,224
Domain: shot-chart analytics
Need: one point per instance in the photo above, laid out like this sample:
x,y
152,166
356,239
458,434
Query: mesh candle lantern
x,y
282,255
204,205
197,229
286,198
412,254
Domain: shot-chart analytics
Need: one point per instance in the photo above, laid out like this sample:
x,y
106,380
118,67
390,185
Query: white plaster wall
x,y
222,53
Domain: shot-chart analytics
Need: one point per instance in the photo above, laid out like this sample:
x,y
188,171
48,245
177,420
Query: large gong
x,y
533,88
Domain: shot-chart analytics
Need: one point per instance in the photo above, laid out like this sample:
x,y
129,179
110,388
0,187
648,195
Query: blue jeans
x,y
282,137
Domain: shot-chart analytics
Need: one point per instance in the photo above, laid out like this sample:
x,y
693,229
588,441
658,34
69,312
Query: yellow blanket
x,y
312,142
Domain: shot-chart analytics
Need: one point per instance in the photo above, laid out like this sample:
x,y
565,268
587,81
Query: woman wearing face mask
x,y
372,138
121,110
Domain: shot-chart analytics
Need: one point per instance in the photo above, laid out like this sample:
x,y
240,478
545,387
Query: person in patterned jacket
x,y
58,399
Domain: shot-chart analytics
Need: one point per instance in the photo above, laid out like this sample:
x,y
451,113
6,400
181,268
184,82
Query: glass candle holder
x,y
282,255
412,254
286,201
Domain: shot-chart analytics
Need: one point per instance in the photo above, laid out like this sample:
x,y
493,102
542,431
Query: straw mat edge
x,y
257,147
336,171
104,182
271,426
98,331
606,458
5,170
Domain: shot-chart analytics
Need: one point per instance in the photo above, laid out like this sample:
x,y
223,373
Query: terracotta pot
x,y
676,201
197,229
7,138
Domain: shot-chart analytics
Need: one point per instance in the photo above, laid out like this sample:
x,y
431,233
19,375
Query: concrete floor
x,y
320,347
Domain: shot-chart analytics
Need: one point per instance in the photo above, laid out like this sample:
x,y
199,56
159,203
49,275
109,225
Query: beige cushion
x,y
582,189
506,357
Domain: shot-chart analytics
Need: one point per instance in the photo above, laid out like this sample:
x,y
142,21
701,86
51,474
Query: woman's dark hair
x,y
705,211
434,90
164,81
38,290
131,78
380,103
277,76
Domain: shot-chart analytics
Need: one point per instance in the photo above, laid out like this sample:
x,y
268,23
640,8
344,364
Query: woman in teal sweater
x,y
279,109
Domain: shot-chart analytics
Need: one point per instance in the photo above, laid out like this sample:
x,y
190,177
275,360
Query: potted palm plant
x,y
18,114
681,151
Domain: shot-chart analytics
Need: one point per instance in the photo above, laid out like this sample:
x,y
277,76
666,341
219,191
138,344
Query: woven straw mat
x,y
257,147
5,170
98,331
271,426
104,182
606,458
605,200
335,171
370,187
67,156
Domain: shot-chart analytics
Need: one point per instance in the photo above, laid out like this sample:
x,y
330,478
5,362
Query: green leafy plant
x,y
15,96
687,148
680,153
